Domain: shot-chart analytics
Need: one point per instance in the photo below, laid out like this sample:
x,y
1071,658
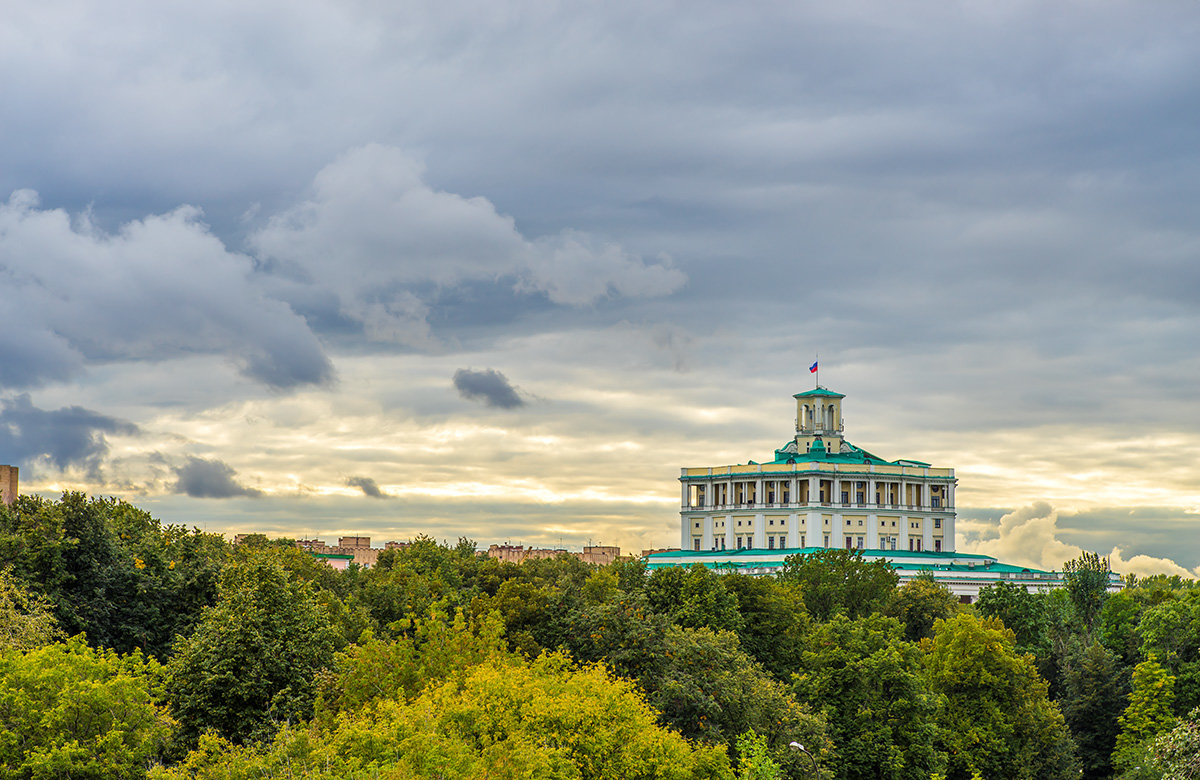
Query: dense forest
x,y
132,649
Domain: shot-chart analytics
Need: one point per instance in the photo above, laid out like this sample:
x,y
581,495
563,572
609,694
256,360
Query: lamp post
x,y
799,747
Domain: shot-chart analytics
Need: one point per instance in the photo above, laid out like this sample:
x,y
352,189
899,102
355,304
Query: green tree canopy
x,y
920,603
25,618
1087,584
504,718
1148,714
1095,689
840,581
869,684
70,711
996,719
252,662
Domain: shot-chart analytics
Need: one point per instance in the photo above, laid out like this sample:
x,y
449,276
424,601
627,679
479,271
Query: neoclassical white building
x,y
820,491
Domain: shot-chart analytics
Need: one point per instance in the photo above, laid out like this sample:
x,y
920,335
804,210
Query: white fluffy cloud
x,y
1029,536
161,287
373,228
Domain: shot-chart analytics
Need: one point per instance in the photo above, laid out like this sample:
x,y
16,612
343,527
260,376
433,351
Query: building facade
x,y
819,491
9,489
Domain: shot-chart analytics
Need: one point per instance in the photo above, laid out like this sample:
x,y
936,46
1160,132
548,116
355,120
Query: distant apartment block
x,y
349,549
595,554
8,484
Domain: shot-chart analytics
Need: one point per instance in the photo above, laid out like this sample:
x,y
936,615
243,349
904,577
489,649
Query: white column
x,y
903,522
793,532
730,541
683,500
927,528
837,533
760,534
707,540
948,534
815,530
872,532
814,490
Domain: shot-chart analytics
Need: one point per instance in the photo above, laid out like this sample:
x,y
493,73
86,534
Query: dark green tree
x,y
919,604
1095,690
774,621
840,581
252,663
1087,584
692,597
869,683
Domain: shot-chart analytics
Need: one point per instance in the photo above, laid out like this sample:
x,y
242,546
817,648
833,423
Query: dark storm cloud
x,y
71,436
489,386
201,478
367,485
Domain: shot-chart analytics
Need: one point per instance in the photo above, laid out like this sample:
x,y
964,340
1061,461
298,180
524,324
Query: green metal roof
x,y
820,454
900,560
820,392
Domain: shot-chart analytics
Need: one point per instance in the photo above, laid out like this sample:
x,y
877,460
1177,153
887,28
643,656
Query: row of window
x,y
852,543
937,523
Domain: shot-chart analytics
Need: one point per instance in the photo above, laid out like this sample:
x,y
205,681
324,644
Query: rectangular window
x,y
801,540
722,542
696,544
826,540
937,545
771,542
937,522
739,542
860,542
848,540
937,502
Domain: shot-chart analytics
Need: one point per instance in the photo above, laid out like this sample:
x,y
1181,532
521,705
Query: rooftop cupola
x,y
819,413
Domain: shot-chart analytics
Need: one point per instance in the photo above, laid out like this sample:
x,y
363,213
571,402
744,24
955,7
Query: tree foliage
x,y
840,581
995,716
868,682
1148,714
70,711
505,717
25,617
252,663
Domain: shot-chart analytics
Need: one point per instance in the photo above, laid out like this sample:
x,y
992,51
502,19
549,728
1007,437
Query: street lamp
x,y
798,746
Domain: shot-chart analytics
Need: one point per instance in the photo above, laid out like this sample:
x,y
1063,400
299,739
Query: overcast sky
x,y
500,269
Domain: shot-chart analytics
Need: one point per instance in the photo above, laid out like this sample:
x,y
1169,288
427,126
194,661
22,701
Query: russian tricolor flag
x,y
813,368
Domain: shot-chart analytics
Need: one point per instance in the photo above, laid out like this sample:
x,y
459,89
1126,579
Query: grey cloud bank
x,y
981,217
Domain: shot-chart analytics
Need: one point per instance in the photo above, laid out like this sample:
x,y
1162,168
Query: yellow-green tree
x,y
504,717
1148,713
25,618
70,711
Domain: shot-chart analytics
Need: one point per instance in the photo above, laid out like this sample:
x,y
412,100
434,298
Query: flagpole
x,y
818,371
